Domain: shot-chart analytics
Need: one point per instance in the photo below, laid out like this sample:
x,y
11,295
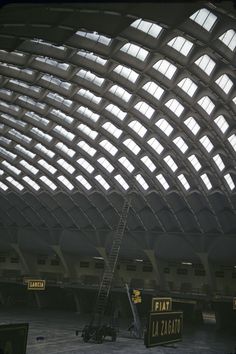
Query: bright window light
x,y
30,182
87,148
112,129
29,167
91,77
206,103
165,68
121,181
206,181
85,164
69,168
109,147
171,163
66,183
181,44
84,182
164,126
40,134
163,181
229,39
229,181
103,182
153,89
88,131
145,109
184,181
116,111
138,128
175,106
56,81
45,150
225,83
64,148
93,57
219,162
232,140
180,143
147,27
204,18
24,151
135,51
11,167
234,100
126,163
62,116
206,64
5,141
106,164
36,118
7,153
94,36
148,163
188,86
205,141
15,183
120,92
17,122
192,125
51,169
194,161
85,111
142,182
20,136
32,102
154,143
127,73
89,96
64,133
48,182
132,146
10,106
3,186
222,124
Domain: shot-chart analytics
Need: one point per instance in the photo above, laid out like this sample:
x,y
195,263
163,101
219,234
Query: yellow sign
x,y
136,297
36,284
234,303
161,304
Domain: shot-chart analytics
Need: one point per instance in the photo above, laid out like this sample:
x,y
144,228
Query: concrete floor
x,y
58,330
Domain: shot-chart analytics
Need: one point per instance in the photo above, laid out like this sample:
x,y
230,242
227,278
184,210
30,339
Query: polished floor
x,y
53,332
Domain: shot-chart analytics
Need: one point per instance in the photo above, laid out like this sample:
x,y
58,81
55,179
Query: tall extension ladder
x,y
95,329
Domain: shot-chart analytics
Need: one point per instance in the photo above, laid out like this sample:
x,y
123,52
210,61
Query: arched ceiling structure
x,y
98,101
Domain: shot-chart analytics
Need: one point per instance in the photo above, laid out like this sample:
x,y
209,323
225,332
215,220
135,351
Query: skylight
x,y
142,182
219,162
126,163
148,163
64,148
94,36
175,106
188,86
106,164
48,182
181,44
85,111
127,73
121,181
15,183
3,186
45,150
62,116
132,146
84,182
206,103
102,181
135,51
93,57
171,163
64,133
138,128
31,183
194,161
222,124
7,153
91,77
232,140
89,96
29,167
116,111
87,148
23,138
66,183
165,68
206,64
112,129
225,83
164,126
162,181
204,18
60,99
150,28
154,143
11,167
192,125
40,134
88,131
51,169
85,164
229,39
184,181
68,167
145,109
206,181
17,122
32,102
36,118
120,92
153,89
205,141
180,143
109,147
56,81
229,181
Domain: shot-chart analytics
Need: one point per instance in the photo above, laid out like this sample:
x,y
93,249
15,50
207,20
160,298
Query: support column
x,y
209,271
77,302
157,267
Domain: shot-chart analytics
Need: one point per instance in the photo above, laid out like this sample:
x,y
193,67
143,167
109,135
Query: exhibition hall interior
x,y
118,176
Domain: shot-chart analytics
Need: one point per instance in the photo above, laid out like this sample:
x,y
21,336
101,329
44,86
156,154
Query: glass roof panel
x,y
112,129
7,153
132,146
64,133
163,181
91,77
3,186
184,181
109,147
138,128
205,141
85,164
181,44
87,148
51,169
165,68
11,167
40,134
84,182
48,182
121,181
102,181
204,18
206,103
206,64
229,181
116,111
188,86
36,118
56,81
164,126
154,143
127,73
206,181
87,131
31,183
148,163
17,122
94,36
85,111
221,123
66,183
89,95
171,163
64,148
142,181
175,106
62,116
20,136
93,57
219,162
135,51
232,140
229,39
120,92
53,62
15,183
145,109
60,99
225,83
29,167
126,163
195,162
148,27
45,150
68,167
193,126
180,143
106,164
10,106
5,141
154,89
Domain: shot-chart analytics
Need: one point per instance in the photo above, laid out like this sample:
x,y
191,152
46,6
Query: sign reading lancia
x,y
36,284
161,304
234,303
164,328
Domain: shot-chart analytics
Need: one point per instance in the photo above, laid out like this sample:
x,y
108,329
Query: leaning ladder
x,y
110,267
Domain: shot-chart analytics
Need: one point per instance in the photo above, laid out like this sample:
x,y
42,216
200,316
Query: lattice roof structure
x,y
101,100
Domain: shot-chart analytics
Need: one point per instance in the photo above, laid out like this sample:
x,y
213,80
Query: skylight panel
x,y
138,128
145,109
188,86
17,122
41,134
171,163
229,39
89,96
87,131
11,167
106,164
232,140
132,146
147,27
56,81
206,103
135,51
148,163
112,129
122,182
229,181
44,43
219,162
116,111
94,36
87,148
164,126
142,182
20,136
154,143
126,163
6,92
68,167
192,125
63,132
91,77
234,100
54,63
181,44
127,73
32,102
64,148
153,89
45,150
120,92
85,111
180,143
204,18
10,106
29,167
194,161
205,141
205,63
222,124
102,181
163,181
165,68
15,183
62,116
1,172
66,183
175,106
25,151
206,181
85,164
184,181
51,169
3,186
84,182
36,118
7,153
224,83
93,57
60,99
48,182
25,85
108,147
31,183
5,140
